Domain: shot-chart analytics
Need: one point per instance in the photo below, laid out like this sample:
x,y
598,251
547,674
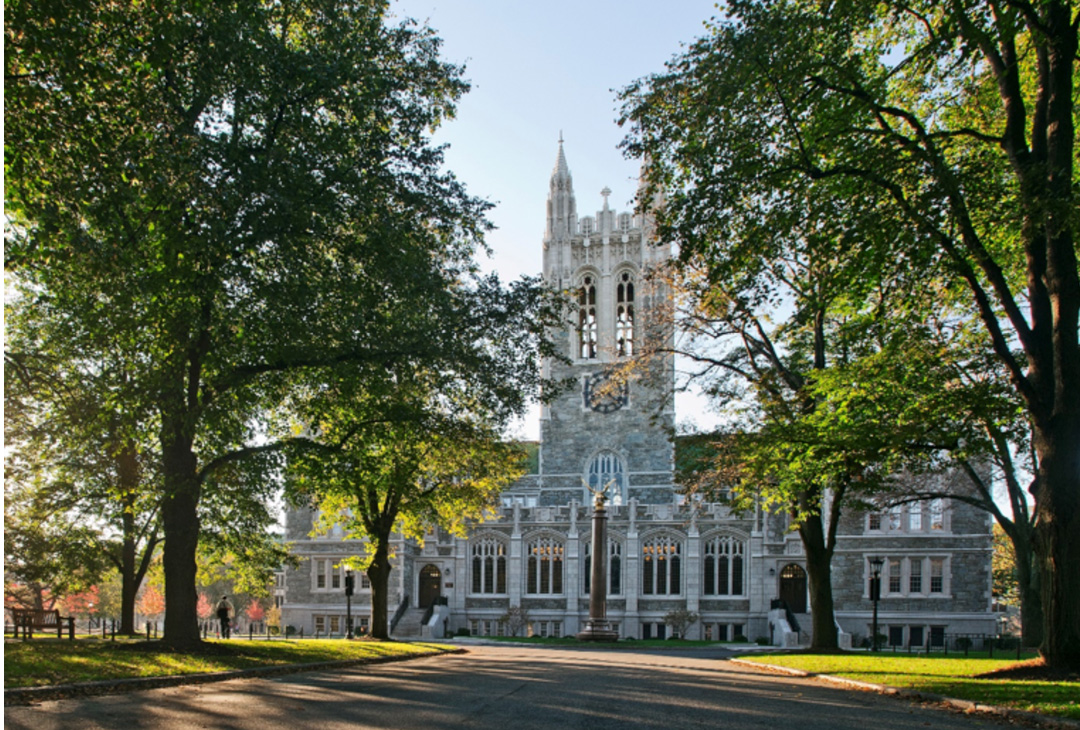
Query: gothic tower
x,y
599,432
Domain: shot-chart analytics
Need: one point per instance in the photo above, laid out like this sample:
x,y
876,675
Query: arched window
x,y
724,567
624,315
587,318
614,568
545,567
606,472
661,566
488,566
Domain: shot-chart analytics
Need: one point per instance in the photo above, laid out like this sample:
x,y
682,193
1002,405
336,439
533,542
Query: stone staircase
x,y
411,624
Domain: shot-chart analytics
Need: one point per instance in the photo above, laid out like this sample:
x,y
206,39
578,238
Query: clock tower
x,y
605,431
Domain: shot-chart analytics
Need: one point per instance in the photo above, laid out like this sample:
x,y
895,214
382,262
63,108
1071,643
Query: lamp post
x,y
348,604
875,596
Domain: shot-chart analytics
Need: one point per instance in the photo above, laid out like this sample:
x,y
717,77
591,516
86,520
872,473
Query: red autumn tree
x,y
255,611
80,604
152,602
204,608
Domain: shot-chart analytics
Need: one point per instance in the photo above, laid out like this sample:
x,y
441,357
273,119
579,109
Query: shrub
x,y
463,631
739,638
516,619
762,641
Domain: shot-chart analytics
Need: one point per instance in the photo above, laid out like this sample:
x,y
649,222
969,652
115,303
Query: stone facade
x,y
663,553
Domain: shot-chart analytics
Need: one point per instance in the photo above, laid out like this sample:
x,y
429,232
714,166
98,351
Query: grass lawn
x,y
949,676
38,663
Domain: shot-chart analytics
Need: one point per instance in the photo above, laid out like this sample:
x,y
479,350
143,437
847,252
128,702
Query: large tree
x,y
244,194
83,460
959,120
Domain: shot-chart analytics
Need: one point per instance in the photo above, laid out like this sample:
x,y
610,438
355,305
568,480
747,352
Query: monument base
x,y
598,631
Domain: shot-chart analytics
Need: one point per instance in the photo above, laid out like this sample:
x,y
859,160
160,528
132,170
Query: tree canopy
x,y
243,198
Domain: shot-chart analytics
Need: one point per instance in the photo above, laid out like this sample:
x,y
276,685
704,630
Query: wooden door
x,y
793,587
430,585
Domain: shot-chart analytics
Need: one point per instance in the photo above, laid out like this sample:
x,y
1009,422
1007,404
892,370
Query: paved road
x,y
504,688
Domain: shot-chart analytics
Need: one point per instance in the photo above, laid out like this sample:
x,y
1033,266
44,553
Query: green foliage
x,y
45,556
1006,580
829,169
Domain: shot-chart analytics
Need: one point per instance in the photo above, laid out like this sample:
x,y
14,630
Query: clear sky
x,y
538,69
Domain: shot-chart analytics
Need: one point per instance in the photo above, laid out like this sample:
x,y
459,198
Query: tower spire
x,y
561,207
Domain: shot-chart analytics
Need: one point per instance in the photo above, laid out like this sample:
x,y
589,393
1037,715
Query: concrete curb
x,y
29,695
1030,718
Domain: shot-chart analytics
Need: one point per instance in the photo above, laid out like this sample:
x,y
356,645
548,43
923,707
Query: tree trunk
x,y
1058,547
129,587
180,520
379,575
1027,577
128,470
819,578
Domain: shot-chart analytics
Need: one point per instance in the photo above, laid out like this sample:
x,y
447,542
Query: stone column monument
x,y
597,627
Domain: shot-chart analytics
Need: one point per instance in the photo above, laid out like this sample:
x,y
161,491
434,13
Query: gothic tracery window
x,y
545,567
624,315
606,473
724,567
587,325
614,568
488,566
661,566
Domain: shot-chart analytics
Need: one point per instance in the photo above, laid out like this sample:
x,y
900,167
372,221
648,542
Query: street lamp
x,y
875,595
348,603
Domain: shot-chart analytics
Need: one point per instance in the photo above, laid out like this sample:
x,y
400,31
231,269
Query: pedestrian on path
x,y
225,613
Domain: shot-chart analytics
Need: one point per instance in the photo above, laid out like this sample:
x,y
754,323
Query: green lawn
x,y
38,663
949,676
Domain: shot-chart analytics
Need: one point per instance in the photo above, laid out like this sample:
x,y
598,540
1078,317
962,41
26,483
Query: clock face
x,y
604,396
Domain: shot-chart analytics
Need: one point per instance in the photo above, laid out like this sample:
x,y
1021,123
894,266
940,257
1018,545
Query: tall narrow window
x,y
661,571
893,569
614,568
915,517
915,576
488,566
545,567
937,514
587,318
624,315
723,567
895,513
937,575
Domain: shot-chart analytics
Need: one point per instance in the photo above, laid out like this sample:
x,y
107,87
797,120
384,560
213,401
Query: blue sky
x,y
537,69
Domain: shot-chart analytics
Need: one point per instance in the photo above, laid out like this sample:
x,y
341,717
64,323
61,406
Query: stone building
x,y
664,553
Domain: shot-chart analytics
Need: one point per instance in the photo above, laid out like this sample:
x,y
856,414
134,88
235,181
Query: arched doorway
x,y
793,587
430,584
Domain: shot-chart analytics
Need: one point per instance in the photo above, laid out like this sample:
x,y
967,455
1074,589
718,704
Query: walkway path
x,y
504,687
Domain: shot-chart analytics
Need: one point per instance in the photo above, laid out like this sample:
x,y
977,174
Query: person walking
x,y
225,614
